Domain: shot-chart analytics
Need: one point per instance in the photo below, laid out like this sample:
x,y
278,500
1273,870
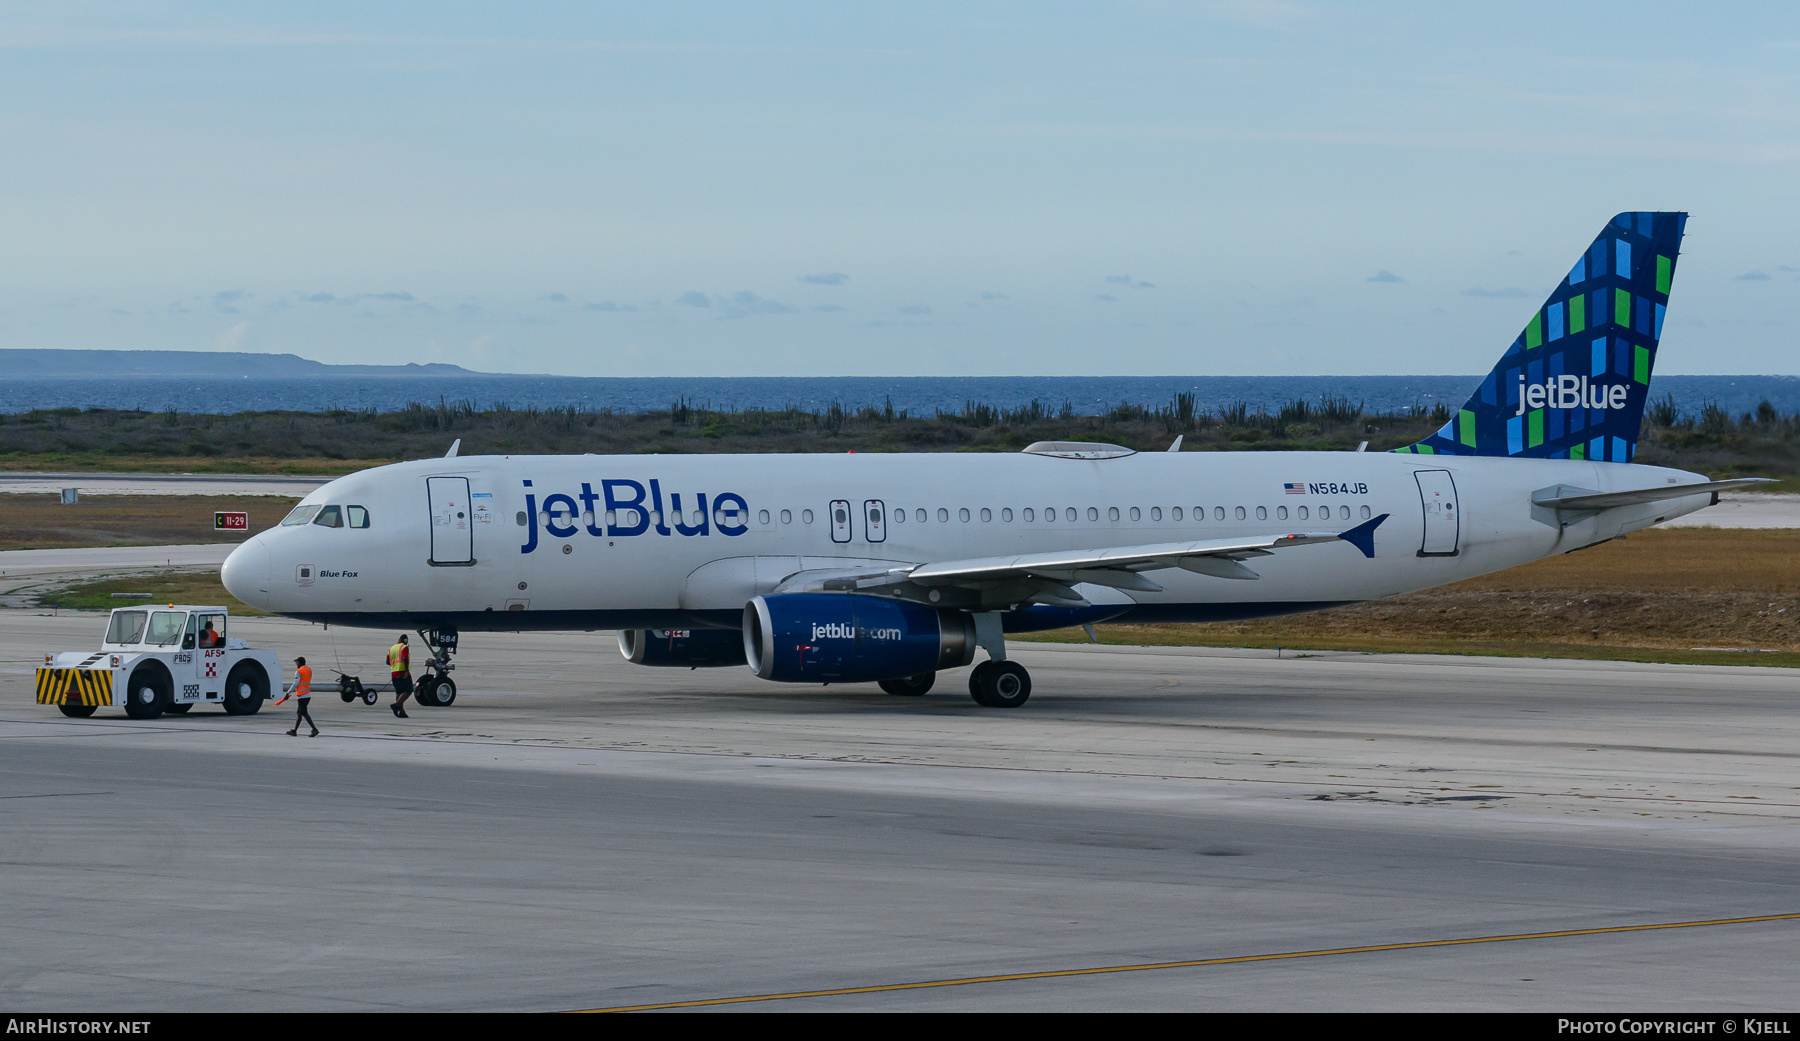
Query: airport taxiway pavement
x,y
578,832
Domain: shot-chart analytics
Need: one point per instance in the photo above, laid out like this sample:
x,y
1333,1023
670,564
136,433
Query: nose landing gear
x,y
436,689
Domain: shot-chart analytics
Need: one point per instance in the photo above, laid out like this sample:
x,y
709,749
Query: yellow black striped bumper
x,y
74,687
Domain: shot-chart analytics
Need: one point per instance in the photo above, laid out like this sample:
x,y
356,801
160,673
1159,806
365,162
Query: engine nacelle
x,y
851,638
682,648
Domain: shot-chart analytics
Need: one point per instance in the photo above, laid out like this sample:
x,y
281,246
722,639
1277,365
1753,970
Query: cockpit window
x,y
357,515
165,627
301,515
330,517
125,627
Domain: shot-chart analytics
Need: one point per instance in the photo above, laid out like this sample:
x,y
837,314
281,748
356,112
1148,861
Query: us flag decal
x,y
1294,489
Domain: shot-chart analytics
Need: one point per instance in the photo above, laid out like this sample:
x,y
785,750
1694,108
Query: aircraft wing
x,y
1582,499
1051,577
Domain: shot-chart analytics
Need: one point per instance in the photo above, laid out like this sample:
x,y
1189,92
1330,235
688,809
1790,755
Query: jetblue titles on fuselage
x,y
629,508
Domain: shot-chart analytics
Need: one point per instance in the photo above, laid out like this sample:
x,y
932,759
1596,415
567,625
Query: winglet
x,y
1363,535
453,447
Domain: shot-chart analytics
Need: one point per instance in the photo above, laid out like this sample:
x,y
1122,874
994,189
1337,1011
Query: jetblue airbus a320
x,y
889,568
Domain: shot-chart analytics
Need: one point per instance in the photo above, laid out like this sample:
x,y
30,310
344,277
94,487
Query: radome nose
x,y
245,573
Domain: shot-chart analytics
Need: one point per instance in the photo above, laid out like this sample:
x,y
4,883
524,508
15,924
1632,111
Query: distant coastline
x,y
77,364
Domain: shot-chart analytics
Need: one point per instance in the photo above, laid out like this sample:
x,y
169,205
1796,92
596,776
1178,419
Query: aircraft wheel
x,y
443,692
1005,684
425,691
909,686
77,711
978,682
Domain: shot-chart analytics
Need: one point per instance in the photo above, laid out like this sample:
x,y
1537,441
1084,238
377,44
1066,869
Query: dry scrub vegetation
x,y
42,522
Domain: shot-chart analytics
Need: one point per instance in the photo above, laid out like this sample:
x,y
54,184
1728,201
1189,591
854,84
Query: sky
x,y
1243,187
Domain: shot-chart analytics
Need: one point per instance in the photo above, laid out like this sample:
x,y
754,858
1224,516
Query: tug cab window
x,y
212,631
126,626
358,516
166,627
330,517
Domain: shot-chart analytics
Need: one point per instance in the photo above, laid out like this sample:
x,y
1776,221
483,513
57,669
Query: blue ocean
x,y
918,395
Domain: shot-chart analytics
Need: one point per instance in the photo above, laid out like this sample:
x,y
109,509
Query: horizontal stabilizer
x,y
1585,500
1363,535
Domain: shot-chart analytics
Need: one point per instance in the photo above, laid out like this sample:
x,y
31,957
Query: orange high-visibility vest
x,y
302,682
399,659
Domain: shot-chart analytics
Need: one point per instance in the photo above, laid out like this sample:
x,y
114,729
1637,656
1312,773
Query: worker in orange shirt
x,y
400,670
302,693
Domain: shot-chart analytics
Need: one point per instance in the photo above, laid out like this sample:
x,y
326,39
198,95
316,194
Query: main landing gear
x,y
997,682
436,689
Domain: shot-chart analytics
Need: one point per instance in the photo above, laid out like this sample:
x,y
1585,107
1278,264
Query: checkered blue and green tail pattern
x,y
1574,384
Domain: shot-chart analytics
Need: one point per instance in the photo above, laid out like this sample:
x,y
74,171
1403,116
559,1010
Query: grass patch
x,y
170,587
41,521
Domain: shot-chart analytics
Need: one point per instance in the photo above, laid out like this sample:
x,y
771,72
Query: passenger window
x,y
1365,513
1281,513
1029,515
1070,513
125,627
787,516
300,515
1240,513
899,516
1006,515
943,515
1093,514
1156,513
1175,513
919,515
806,516
521,518
762,517
357,516
329,517
1344,512
1302,513
1218,513
1050,515
1136,514
1262,513
986,515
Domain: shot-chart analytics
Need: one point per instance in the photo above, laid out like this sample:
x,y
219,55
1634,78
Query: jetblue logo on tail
x,y
1574,383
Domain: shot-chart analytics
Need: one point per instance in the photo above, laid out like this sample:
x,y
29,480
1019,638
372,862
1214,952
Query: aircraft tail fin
x,y
1575,382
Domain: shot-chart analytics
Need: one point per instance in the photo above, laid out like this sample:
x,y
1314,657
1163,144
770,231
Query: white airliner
x,y
888,568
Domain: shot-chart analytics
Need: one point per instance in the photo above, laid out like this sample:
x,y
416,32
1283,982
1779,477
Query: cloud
x,y
402,297
914,309
1127,280
1384,275
608,305
1752,276
468,310
1785,267
1509,292
225,301
556,298
829,307
744,302
829,278
995,296
318,298
694,298
1108,297
232,337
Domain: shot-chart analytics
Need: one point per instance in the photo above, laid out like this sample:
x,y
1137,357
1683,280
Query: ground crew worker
x,y
302,692
400,670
